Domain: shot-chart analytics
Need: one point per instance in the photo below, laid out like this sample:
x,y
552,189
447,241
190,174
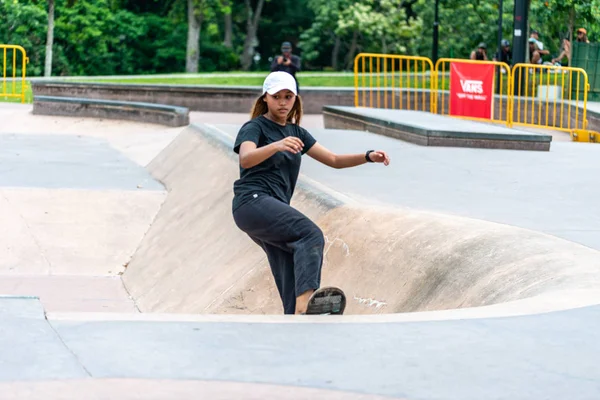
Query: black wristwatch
x,y
367,155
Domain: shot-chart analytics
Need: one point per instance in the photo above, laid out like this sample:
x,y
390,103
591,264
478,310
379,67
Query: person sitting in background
x,y
539,45
566,46
480,53
582,36
534,52
565,52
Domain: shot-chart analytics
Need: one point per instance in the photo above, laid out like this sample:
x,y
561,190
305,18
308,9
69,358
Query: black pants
x,y
293,243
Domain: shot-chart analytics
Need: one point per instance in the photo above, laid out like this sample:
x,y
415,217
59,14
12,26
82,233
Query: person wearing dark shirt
x,y
505,54
480,53
287,62
270,147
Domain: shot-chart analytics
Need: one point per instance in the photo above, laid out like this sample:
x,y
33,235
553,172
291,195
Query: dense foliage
x,y
103,37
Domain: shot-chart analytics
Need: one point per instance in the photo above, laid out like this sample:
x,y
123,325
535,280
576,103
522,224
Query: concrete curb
x,y
477,135
172,116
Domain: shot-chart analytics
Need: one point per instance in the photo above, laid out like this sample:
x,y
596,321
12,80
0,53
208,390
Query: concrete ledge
x,y
110,109
427,129
234,99
593,118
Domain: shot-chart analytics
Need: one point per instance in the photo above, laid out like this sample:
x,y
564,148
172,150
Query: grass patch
x,y
15,87
304,81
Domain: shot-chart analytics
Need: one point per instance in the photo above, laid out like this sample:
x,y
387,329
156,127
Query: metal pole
x,y
499,43
436,24
520,47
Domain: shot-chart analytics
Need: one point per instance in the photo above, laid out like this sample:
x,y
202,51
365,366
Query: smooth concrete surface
x,y
547,192
138,142
65,161
437,125
428,129
387,260
162,389
546,356
310,121
126,110
72,293
75,201
464,354
29,347
593,106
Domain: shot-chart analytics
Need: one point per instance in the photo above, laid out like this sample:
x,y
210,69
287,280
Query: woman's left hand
x,y
380,156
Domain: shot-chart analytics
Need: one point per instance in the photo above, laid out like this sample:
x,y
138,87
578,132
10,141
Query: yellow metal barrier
x,y
583,135
501,110
14,71
541,96
550,97
394,81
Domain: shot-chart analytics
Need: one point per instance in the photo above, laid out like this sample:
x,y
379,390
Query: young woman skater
x,y
270,147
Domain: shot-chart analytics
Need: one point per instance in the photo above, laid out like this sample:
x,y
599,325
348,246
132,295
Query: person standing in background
x,y
504,55
287,62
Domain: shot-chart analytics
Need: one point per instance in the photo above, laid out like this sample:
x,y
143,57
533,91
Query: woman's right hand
x,y
292,144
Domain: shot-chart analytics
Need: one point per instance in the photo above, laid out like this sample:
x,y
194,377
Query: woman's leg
x,y
282,267
294,247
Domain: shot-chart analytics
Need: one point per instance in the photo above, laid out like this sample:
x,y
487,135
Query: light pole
x,y
499,42
520,46
436,32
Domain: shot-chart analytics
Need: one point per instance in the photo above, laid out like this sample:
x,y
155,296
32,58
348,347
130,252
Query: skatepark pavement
x,y
470,273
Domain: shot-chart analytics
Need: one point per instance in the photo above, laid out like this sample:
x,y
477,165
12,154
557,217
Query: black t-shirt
x,y
277,175
290,69
504,56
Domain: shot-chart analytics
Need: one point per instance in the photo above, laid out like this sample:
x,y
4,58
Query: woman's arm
x,y
251,156
325,156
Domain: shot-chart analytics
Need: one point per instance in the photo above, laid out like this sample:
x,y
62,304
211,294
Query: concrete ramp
x,y
195,260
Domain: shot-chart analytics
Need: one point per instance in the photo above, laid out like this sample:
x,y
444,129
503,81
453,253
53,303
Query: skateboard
x,y
327,301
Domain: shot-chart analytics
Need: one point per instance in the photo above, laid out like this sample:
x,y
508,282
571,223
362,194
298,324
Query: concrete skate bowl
x,y
195,260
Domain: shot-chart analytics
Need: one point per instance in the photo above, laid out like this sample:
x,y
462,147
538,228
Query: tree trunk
x,y
252,20
571,28
335,54
353,47
228,41
193,40
49,39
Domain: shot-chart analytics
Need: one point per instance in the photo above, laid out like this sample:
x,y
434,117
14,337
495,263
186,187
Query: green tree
x,y
253,15
558,19
24,24
463,25
368,26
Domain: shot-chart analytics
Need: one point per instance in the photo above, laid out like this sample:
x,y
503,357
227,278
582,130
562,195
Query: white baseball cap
x,y
279,80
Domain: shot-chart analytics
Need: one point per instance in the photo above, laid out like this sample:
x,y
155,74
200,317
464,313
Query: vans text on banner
x,y
471,90
449,73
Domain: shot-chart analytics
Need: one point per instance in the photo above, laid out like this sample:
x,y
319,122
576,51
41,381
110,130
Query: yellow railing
x,y
527,95
501,110
14,71
549,97
394,81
